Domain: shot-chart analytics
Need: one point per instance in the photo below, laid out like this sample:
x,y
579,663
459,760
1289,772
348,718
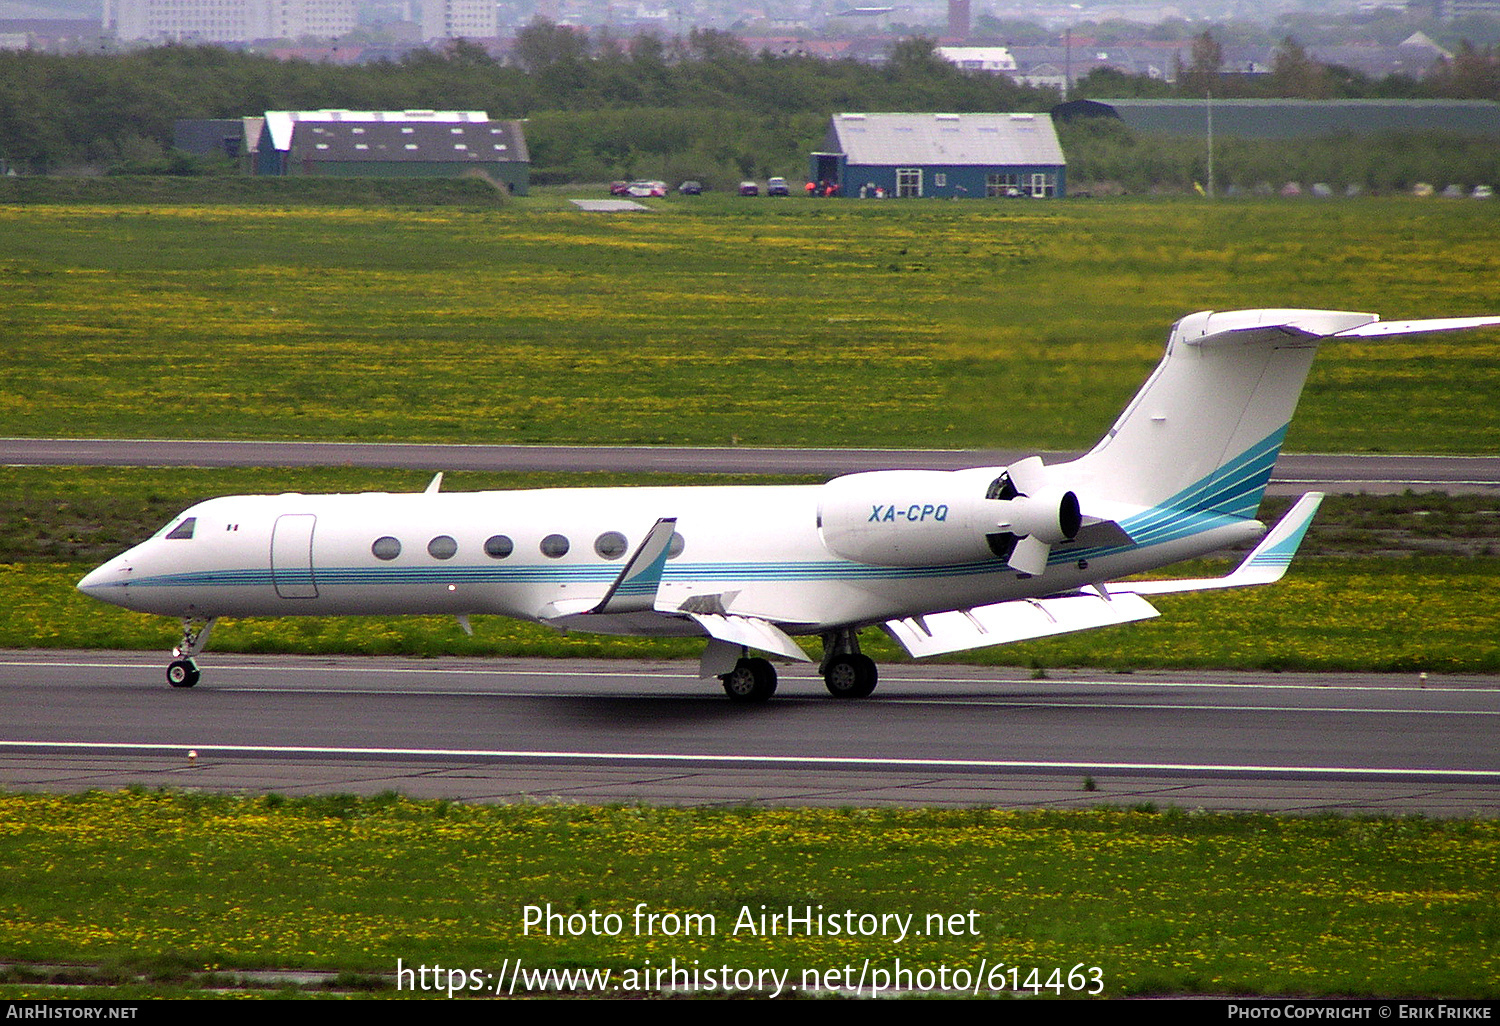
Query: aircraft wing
x,y
1017,620
1266,564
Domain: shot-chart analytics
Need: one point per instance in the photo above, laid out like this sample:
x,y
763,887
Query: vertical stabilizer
x,y
1204,431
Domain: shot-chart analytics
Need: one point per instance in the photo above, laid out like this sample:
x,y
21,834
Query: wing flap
x,y
1003,622
750,632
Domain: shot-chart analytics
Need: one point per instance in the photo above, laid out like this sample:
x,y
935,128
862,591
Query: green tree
x,y
1472,74
1295,74
1202,74
542,44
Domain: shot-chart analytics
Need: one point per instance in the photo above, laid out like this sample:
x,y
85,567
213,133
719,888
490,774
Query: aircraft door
x,y
291,556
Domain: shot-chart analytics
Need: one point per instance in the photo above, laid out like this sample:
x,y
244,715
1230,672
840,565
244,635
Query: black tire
x,y
851,676
182,673
751,681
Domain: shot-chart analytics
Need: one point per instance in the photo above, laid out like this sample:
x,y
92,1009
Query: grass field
x,y
781,323
1160,902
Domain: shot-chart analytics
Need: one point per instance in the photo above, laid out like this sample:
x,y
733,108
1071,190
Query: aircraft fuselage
x,y
535,554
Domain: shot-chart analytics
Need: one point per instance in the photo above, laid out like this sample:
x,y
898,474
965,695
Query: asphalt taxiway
x,y
1294,472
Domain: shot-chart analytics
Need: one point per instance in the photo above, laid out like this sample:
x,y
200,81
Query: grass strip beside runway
x,y
1162,902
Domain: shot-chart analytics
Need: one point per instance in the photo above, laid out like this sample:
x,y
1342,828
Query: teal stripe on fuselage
x,y
1230,495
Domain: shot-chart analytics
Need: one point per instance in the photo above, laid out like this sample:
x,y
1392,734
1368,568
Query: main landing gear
x,y
182,671
846,672
752,680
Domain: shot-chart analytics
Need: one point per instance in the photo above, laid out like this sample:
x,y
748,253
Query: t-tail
x,y
1198,442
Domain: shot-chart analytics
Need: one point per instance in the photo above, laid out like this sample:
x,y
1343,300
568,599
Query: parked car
x,y
619,188
777,187
645,189
691,188
749,189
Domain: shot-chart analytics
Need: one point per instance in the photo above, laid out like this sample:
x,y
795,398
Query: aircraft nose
x,y
107,583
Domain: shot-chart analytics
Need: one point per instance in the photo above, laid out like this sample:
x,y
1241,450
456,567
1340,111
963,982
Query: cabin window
x,y
184,529
498,546
386,548
442,547
554,546
610,545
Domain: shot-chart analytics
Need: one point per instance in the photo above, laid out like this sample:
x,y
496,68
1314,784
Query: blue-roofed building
x,y
941,155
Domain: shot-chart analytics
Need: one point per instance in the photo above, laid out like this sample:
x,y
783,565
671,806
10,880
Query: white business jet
x,y
942,560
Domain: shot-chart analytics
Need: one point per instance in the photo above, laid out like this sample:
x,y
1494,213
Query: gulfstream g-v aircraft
x,y
942,560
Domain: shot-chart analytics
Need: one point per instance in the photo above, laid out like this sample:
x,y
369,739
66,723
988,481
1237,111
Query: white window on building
x,y
908,181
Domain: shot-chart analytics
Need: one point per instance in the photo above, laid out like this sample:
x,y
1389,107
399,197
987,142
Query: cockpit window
x,y
184,529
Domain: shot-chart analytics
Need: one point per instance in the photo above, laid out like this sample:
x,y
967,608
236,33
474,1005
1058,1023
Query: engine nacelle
x,y
934,517
1051,515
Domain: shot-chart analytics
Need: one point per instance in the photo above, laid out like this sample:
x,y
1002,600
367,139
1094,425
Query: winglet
x,y
635,589
1266,564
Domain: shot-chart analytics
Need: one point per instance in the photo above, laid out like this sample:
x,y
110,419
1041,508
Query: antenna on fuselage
x,y
434,484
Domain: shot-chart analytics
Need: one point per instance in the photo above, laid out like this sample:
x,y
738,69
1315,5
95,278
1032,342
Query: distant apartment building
x,y
459,19
320,19
227,21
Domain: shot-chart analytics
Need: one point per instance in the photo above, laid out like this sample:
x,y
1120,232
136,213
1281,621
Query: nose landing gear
x,y
182,671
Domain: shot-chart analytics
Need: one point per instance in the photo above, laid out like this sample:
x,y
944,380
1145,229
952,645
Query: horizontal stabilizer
x,y
1266,564
1312,326
750,632
960,629
1417,327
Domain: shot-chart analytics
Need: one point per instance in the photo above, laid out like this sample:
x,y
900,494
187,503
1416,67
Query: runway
x,y
598,732
1294,473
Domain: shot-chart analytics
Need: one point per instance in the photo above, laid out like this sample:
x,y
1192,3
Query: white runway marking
x,y
778,760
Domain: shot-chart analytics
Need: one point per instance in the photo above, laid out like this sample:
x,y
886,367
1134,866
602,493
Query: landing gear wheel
x,y
851,676
751,680
182,673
